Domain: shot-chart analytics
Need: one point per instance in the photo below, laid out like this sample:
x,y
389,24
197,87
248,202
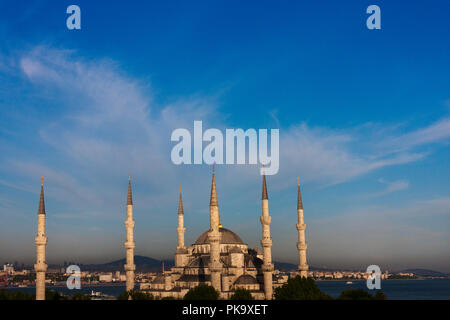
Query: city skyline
x,y
363,116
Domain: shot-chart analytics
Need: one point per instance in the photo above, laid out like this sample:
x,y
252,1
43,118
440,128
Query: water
x,y
112,290
429,289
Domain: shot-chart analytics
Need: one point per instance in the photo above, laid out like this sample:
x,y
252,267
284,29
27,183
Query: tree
x,y
241,294
135,295
380,295
15,295
202,292
360,294
80,296
300,288
53,295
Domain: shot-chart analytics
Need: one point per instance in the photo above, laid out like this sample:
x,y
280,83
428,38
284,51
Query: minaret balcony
x,y
267,267
266,242
213,236
302,246
128,267
40,267
40,240
130,245
129,223
303,267
301,226
265,220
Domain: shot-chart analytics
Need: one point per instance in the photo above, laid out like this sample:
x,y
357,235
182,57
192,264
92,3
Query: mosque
x,y
218,257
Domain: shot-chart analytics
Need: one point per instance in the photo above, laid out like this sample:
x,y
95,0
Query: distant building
x,y
105,277
9,268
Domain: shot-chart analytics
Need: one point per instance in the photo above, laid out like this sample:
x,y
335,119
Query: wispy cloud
x,y
391,186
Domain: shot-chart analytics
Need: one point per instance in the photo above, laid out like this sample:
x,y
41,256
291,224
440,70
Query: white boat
x,y
349,282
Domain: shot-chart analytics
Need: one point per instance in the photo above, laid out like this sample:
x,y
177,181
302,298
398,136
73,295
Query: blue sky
x,y
363,118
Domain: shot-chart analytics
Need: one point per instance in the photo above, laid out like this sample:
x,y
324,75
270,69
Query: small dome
x,y
246,279
227,237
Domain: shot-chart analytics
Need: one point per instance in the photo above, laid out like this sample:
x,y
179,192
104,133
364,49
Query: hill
x,y
143,264
426,272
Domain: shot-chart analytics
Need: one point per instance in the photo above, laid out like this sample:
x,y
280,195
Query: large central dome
x,y
227,237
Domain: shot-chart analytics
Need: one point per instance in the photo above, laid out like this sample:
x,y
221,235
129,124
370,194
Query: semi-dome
x,y
227,237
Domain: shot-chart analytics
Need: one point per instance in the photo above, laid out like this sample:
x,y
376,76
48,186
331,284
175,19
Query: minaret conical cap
x,y
264,190
130,197
213,201
180,204
41,209
299,196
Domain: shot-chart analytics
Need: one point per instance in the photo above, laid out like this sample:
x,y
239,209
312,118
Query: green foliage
x,y
241,294
80,296
380,295
135,295
15,295
300,288
202,292
53,295
360,294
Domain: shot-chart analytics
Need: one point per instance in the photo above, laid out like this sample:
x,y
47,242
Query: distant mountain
x,y
285,266
143,264
147,264
425,272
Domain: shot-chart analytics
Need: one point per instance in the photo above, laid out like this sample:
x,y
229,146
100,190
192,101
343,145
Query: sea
x,y
426,289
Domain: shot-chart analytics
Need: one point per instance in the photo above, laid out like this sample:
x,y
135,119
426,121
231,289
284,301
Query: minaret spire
x,y
129,267
180,204
299,196
215,266
266,242
301,227
41,241
213,200
130,196
41,209
181,249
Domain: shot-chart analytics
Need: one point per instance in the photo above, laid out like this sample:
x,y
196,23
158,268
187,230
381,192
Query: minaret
x,y
215,266
181,229
129,244
181,251
41,241
266,243
301,244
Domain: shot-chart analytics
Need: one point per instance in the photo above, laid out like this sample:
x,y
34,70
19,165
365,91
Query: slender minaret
x,y
41,241
215,267
301,244
181,229
266,243
129,244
